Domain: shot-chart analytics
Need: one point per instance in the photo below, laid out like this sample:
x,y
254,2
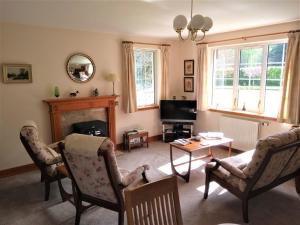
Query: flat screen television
x,y
178,110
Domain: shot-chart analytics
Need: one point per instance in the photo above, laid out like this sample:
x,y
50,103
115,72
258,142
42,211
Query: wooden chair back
x,y
155,203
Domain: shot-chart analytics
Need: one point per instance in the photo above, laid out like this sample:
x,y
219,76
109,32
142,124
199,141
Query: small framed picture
x,y
188,84
189,67
17,73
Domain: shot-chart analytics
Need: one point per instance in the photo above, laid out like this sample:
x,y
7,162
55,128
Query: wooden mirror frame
x,y
72,77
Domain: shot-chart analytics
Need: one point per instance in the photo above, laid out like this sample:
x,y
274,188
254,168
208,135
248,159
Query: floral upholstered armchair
x,y
275,160
92,166
44,156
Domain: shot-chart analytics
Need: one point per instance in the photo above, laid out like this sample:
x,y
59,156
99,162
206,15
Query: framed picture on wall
x,y
189,67
17,73
188,84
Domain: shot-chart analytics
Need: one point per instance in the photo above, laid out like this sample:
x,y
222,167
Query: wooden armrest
x,y
216,166
62,170
54,146
233,170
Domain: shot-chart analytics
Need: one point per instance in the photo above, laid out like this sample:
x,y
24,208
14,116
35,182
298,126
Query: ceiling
x,y
152,18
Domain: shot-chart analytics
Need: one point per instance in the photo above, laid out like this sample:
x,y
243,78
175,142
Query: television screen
x,y
178,110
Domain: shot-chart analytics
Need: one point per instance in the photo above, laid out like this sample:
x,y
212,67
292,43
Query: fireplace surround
x,y
57,108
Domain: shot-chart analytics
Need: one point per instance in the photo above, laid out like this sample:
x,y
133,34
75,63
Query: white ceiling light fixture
x,y
196,24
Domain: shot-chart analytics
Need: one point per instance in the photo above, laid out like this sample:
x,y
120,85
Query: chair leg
x,y
78,210
245,210
207,181
42,177
121,217
297,184
64,195
47,190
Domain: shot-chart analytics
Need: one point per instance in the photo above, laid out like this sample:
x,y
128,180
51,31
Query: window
x,y
248,78
146,76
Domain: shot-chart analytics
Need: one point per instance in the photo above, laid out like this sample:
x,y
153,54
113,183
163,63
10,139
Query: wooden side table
x,y
135,139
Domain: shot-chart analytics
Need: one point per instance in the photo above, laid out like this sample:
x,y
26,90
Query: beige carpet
x,y
21,198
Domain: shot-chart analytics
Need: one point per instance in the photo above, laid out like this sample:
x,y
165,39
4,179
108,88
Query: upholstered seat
x,y
231,169
44,156
92,166
275,160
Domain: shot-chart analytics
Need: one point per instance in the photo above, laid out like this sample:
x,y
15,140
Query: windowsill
x,y
245,114
148,107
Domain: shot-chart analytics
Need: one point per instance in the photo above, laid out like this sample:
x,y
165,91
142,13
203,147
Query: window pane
x,y
250,78
144,72
275,67
223,74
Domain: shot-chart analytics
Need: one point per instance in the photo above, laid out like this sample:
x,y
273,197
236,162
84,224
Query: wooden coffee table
x,y
196,146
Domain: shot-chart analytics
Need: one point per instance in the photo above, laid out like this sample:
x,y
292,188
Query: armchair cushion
x,y
84,155
231,169
236,171
130,177
54,146
263,146
43,152
280,164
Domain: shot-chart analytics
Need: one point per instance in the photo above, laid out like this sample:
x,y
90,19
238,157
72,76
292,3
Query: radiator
x,y
243,132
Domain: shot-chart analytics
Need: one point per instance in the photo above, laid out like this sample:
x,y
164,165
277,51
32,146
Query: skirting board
x,y
29,167
17,170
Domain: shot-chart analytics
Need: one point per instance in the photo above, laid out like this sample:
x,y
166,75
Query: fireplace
x,y
66,111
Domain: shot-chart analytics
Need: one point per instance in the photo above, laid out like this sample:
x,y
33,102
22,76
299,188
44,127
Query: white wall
x,y
186,50
47,51
209,121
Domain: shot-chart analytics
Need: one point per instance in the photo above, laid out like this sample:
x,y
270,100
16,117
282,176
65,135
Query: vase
x,y
56,91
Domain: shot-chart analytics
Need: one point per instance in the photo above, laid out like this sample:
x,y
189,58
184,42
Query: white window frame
x,y
235,87
155,75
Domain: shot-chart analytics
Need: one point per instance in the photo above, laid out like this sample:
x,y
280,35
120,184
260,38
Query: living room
x,y
44,36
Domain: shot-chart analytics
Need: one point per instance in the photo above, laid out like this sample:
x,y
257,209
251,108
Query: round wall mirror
x,y
80,67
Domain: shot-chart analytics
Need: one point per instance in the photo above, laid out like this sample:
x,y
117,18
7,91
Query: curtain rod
x,y
144,43
246,37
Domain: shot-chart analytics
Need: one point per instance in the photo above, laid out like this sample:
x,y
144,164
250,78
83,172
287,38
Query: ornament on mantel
x,y
95,92
56,92
74,93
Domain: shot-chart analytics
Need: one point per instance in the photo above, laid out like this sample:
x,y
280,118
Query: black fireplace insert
x,y
94,127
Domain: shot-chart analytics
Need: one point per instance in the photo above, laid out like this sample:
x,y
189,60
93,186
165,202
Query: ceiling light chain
x,y
197,23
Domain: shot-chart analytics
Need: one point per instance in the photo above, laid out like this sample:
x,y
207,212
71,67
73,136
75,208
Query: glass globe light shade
x,y
179,22
197,22
208,23
189,25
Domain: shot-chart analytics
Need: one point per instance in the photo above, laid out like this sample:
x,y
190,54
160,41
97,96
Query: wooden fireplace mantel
x,y
61,105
